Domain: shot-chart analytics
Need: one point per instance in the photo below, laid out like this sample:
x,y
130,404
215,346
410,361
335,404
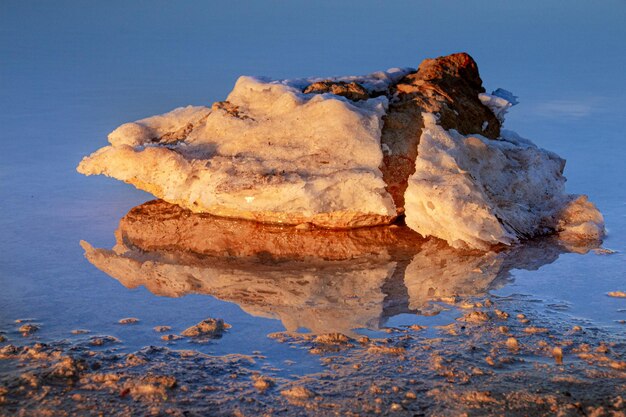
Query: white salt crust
x,y
283,151
476,192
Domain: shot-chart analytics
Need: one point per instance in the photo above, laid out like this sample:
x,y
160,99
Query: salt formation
x,y
356,151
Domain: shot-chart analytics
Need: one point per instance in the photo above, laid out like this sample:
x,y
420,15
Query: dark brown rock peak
x,y
447,86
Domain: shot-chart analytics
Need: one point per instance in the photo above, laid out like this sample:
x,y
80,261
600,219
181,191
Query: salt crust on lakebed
x,y
272,153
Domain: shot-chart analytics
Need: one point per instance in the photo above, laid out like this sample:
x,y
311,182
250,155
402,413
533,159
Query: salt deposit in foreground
x,y
357,151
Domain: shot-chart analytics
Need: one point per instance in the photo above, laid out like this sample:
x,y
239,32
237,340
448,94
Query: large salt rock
x,y
357,151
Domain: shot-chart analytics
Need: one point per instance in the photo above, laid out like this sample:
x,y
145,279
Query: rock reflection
x,y
321,280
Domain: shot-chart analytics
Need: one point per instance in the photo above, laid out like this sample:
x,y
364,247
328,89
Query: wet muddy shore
x,y
499,357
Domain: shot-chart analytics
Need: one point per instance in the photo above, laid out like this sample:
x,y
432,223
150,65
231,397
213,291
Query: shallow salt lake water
x,y
71,72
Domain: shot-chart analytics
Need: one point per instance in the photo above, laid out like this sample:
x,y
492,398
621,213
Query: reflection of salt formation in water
x,y
325,281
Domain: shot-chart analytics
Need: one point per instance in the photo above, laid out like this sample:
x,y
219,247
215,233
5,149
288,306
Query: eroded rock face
x,y
356,151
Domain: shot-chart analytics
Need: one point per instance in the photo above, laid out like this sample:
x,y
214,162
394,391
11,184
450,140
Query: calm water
x,y
71,72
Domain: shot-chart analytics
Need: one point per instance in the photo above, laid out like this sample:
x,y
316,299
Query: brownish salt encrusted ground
x,y
498,358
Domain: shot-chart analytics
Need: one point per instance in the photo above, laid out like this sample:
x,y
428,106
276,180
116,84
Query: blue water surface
x,y
70,72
